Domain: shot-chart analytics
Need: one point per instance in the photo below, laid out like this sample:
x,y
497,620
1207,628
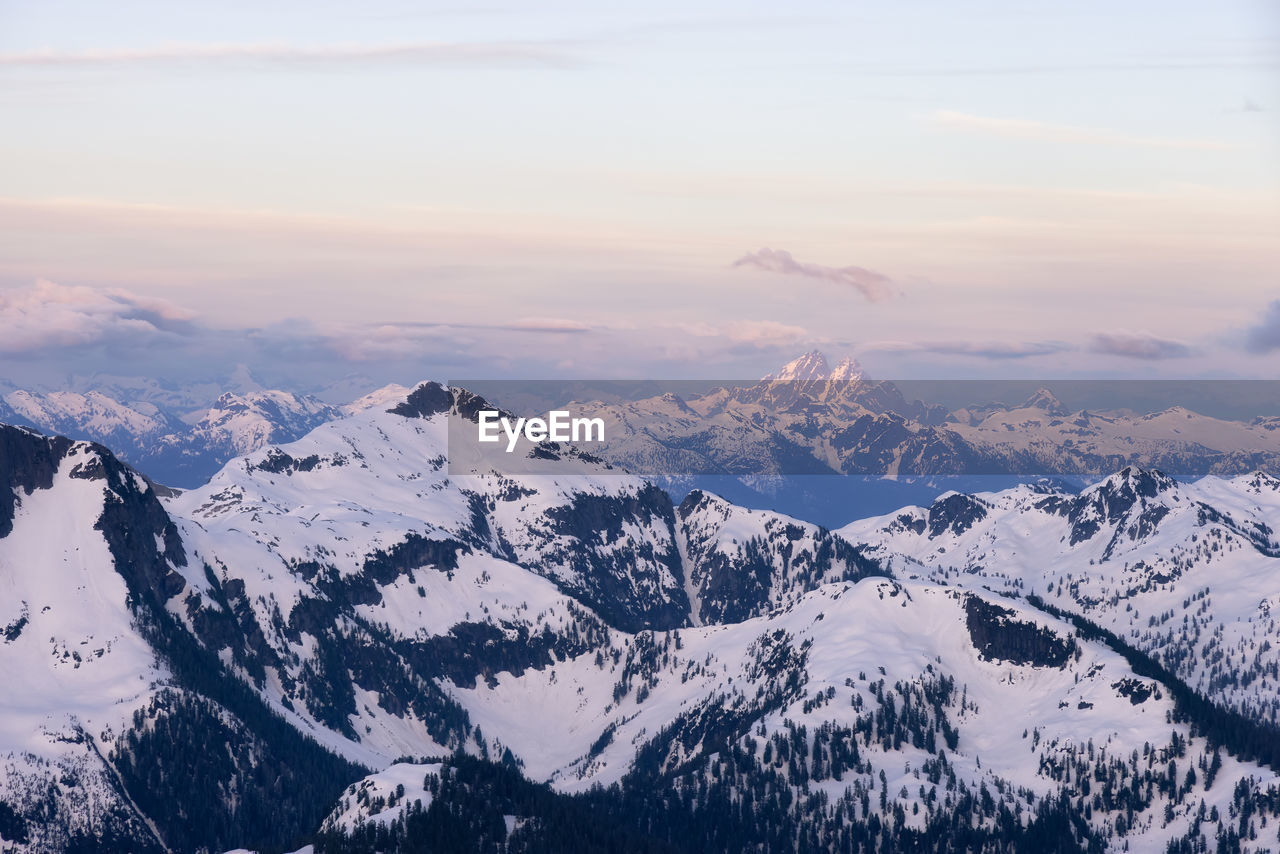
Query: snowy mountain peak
x,y
384,397
810,367
954,513
426,400
248,421
1134,482
1126,497
1046,400
847,370
678,402
798,384
1170,412
699,499
1259,481
230,401
265,399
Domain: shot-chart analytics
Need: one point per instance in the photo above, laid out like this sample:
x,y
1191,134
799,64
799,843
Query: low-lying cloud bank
x,y
51,331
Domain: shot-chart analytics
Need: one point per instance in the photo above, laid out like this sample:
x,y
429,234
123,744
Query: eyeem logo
x,y
558,426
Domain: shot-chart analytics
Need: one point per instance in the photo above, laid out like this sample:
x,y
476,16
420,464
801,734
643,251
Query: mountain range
x,y
333,642
810,418
807,418
177,447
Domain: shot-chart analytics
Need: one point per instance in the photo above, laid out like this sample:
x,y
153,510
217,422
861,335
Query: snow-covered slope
x,y
384,398
906,702
352,543
1184,571
103,729
732,678
69,642
403,613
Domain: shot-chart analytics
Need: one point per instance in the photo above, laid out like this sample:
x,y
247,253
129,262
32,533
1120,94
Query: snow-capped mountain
x,y
809,418
110,705
238,424
91,414
1183,571
776,619
385,397
740,563
172,446
69,638
528,660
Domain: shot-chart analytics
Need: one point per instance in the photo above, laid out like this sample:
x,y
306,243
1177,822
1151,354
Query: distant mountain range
x,y
176,448
807,418
334,642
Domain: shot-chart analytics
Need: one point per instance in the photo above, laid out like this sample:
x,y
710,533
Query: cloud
x,y
434,53
977,349
701,344
872,285
546,324
765,333
419,340
1046,132
361,343
1265,335
49,315
554,325
1138,345
54,322
742,336
50,331
997,349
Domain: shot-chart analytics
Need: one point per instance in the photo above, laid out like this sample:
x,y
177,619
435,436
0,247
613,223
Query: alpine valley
x,y
333,645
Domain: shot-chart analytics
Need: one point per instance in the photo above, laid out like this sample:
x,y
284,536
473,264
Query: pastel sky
x,y
409,189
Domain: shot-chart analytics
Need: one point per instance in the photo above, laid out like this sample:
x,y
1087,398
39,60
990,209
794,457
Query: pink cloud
x,y
52,315
872,285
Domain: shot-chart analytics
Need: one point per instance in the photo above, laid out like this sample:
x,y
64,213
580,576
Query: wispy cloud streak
x,y
552,325
872,285
996,350
1139,346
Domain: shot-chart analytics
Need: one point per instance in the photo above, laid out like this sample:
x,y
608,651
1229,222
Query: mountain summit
x,y
811,367
1046,400
805,381
847,370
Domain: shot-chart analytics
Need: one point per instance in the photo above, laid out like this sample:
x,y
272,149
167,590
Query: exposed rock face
x,y
424,401
998,636
742,563
954,514
28,461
